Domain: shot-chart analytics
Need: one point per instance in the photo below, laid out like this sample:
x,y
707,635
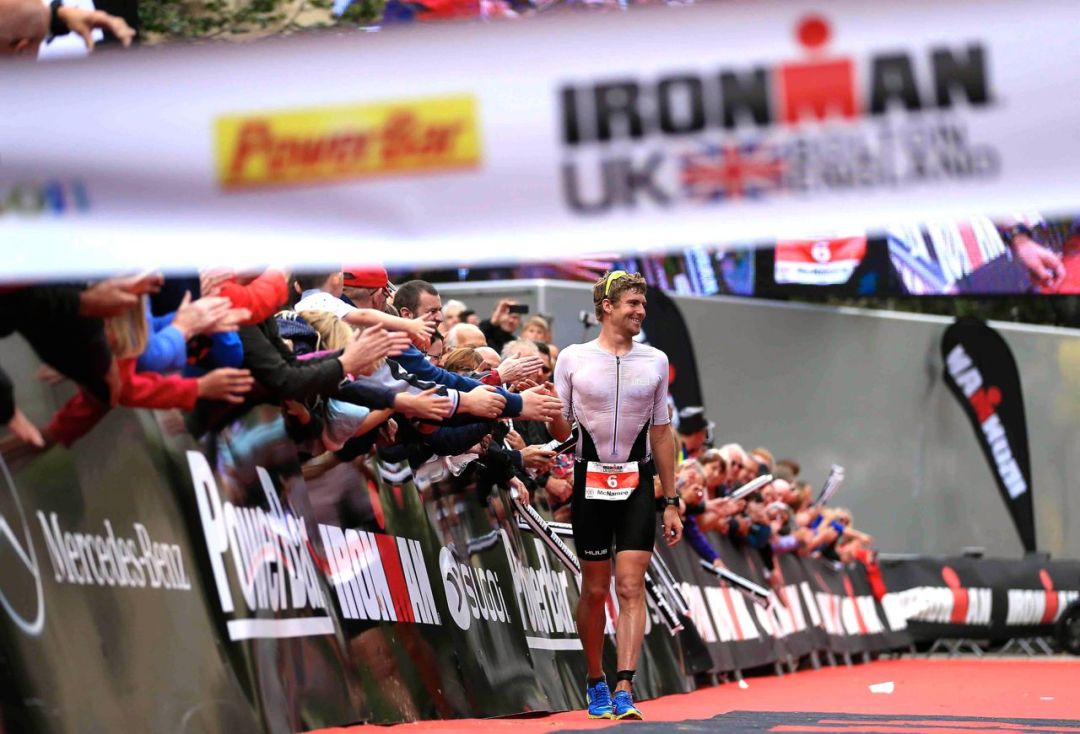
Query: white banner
x,y
544,138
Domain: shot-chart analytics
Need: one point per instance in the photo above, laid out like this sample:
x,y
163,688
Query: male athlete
x,y
616,390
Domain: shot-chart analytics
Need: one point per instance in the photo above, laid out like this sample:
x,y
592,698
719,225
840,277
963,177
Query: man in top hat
x,y
693,430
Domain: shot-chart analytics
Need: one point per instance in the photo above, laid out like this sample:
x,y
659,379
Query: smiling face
x,y
626,315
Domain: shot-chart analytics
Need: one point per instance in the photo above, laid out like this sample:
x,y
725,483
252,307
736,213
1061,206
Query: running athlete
x,y
616,391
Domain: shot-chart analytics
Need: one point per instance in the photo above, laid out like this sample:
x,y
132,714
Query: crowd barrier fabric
x,y
110,621
984,598
155,582
805,120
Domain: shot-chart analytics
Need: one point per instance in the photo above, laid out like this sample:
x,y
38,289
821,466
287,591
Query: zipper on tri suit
x,y
615,426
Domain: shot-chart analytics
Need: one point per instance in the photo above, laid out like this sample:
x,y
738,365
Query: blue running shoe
x,y
599,698
624,707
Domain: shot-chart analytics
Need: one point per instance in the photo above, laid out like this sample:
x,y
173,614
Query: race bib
x,y
611,482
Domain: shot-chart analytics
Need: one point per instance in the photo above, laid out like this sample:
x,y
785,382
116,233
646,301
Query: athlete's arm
x,y
559,427
663,450
662,441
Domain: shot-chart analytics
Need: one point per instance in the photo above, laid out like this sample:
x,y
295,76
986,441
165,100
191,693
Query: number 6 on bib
x,y
611,482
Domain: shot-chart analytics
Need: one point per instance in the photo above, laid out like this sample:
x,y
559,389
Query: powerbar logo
x,y
545,605
107,560
984,402
378,577
827,124
269,558
347,142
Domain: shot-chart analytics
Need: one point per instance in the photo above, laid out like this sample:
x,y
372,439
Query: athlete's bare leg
x,y
630,566
595,584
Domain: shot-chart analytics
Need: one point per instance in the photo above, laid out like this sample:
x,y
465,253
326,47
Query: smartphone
x,y
519,308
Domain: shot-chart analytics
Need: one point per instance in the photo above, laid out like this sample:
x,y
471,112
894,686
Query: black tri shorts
x,y
630,523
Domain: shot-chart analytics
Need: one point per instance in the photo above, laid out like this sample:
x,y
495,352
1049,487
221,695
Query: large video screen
x,y
1024,255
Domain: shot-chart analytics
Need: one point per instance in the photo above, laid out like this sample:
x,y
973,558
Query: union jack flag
x,y
731,171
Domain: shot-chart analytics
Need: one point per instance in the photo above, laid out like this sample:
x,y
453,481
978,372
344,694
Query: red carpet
x,y
993,689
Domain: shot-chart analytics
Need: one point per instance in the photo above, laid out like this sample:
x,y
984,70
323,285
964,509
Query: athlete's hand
x,y
672,525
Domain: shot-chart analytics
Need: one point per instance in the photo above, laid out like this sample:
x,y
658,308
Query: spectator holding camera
x,y
503,324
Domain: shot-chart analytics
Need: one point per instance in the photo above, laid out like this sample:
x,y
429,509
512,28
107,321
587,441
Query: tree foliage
x,y
170,20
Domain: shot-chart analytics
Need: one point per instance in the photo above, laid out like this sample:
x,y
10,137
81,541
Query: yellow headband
x,y
615,275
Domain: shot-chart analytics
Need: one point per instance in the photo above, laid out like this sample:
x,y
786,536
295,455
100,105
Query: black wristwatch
x,y
1015,231
57,27
671,501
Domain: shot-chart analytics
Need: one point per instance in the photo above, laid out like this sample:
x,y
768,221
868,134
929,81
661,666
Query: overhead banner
x,y
981,372
809,117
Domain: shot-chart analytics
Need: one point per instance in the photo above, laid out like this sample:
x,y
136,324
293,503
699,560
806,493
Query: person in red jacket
x,y
263,295
127,336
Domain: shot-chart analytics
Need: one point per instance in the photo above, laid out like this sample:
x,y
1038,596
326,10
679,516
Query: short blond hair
x,y
541,323
612,286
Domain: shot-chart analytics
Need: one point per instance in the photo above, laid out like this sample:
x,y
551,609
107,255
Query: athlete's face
x,y
628,313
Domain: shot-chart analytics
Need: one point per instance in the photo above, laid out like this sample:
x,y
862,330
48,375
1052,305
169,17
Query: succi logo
x,y
471,593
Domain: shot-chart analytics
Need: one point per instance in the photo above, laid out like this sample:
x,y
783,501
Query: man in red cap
x,y
367,286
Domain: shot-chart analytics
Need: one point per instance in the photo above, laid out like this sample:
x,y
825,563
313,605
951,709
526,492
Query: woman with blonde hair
x,y
462,360
333,333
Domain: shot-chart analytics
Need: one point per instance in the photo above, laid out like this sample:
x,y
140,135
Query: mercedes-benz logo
x,y
24,551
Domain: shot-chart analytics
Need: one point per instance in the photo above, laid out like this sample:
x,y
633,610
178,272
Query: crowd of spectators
x,y
780,517
354,364
357,367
